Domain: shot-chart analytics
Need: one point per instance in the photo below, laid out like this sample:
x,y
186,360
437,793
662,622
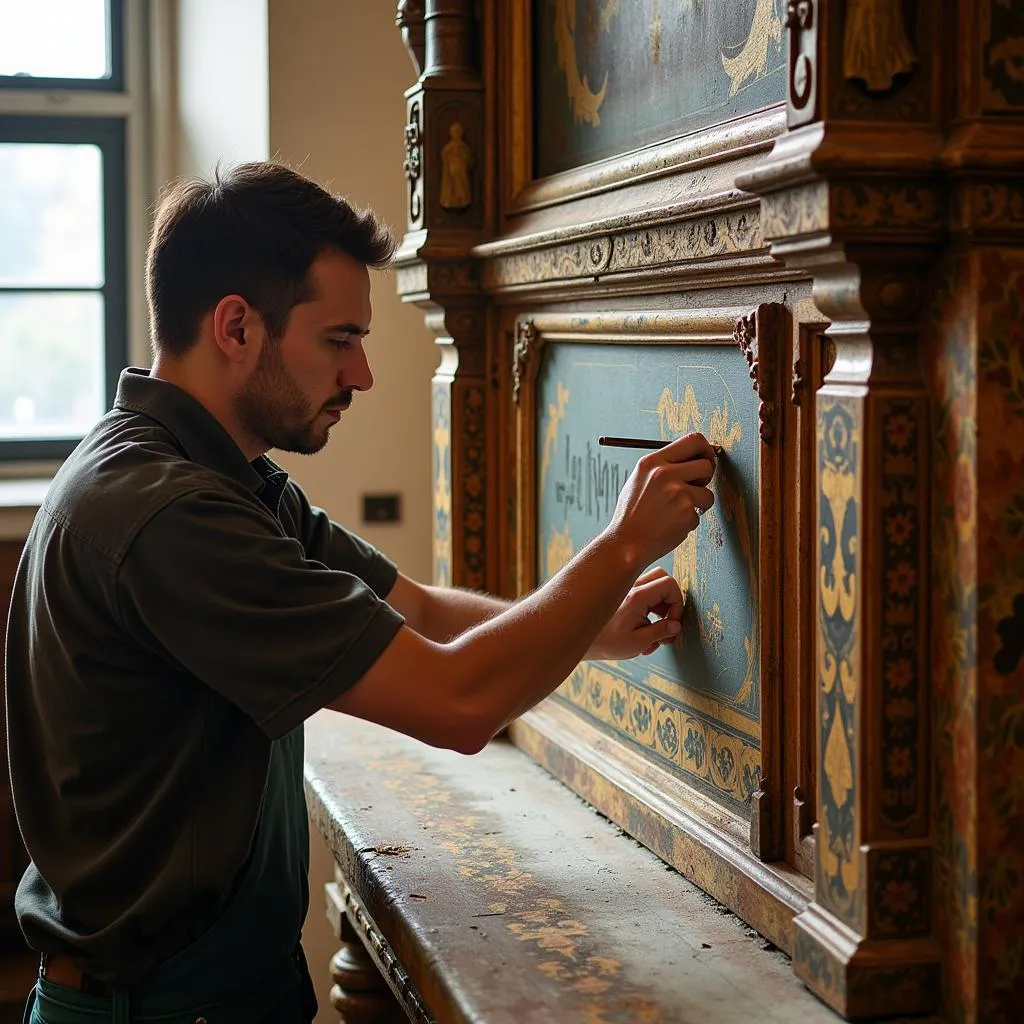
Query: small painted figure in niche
x,y
876,48
456,165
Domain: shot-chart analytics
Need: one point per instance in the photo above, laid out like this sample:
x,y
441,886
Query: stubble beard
x,y
272,409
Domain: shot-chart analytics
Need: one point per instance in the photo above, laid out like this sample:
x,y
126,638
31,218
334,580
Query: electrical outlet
x,y
382,508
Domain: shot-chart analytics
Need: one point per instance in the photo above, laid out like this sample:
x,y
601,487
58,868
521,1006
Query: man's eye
x,y
339,342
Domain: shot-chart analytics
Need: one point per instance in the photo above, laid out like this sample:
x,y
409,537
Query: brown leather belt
x,y
61,970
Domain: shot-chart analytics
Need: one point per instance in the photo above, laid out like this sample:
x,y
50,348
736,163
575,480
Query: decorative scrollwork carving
x,y
526,336
799,19
413,140
745,335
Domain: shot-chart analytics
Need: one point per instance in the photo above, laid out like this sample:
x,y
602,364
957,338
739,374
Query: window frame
x,y
101,112
108,134
114,82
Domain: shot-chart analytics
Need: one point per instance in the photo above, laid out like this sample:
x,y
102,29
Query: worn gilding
x,y
838,856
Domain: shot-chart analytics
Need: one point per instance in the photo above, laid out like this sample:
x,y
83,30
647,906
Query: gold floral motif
x,y
556,413
838,769
535,918
886,206
442,539
752,61
838,438
837,486
583,101
663,245
688,565
726,761
795,211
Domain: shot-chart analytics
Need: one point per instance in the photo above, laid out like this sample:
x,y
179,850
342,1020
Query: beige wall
x,y
318,84
337,73
222,105
338,69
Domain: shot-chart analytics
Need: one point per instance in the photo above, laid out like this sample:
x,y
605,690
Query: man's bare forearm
x,y
448,611
516,658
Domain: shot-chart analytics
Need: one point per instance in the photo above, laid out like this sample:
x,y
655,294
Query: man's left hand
x,y
631,630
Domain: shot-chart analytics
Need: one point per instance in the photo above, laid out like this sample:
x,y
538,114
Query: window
x,y
63,221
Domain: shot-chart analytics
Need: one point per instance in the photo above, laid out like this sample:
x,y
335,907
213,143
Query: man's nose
x,y
357,374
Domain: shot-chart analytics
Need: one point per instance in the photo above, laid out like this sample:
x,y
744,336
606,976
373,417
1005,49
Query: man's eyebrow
x,y
349,328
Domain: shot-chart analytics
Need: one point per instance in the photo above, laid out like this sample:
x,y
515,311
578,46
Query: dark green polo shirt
x,y
177,611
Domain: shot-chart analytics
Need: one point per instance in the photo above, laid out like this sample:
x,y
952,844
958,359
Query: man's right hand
x,y
657,508
481,679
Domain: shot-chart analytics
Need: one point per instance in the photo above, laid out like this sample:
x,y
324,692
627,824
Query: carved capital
x,y
526,337
451,38
409,18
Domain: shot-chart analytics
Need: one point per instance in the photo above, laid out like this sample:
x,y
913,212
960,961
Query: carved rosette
x,y
526,338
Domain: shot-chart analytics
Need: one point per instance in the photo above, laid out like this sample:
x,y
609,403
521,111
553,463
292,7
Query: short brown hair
x,y
253,231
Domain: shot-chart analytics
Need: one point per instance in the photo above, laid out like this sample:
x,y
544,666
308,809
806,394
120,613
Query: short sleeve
x,y
330,543
215,585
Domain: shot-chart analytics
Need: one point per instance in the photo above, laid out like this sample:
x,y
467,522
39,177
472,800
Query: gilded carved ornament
x,y
875,45
456,169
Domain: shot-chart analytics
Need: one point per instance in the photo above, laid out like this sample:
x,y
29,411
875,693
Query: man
x,y
181,609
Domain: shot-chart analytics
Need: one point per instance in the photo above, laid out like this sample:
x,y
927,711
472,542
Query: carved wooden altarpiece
x,y
795,226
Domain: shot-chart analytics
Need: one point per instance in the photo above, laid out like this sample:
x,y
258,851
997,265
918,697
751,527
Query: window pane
x,y
51,364
51,215
54,38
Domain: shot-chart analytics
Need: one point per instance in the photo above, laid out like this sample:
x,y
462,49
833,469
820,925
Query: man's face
x,y
304,380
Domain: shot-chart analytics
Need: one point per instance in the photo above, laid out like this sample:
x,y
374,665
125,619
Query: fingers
x,y
692,446
703,498
661,594
698,471
651,637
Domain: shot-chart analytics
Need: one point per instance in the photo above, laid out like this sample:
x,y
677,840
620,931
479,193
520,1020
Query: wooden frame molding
x,y
654,805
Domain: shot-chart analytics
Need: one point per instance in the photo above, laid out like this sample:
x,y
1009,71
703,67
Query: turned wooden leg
x,y
359,993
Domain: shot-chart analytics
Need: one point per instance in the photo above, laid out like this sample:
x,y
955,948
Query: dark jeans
x,y
286,998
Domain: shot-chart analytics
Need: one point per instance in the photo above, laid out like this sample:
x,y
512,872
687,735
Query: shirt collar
x,y
199,433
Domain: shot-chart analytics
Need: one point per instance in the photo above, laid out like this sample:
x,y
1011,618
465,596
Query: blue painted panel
x,y
662,391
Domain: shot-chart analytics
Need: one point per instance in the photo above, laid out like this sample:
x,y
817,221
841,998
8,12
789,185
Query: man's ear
x,y
237,328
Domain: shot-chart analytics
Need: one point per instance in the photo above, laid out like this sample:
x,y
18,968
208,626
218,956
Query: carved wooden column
x,y
449,203
852,195
976,374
